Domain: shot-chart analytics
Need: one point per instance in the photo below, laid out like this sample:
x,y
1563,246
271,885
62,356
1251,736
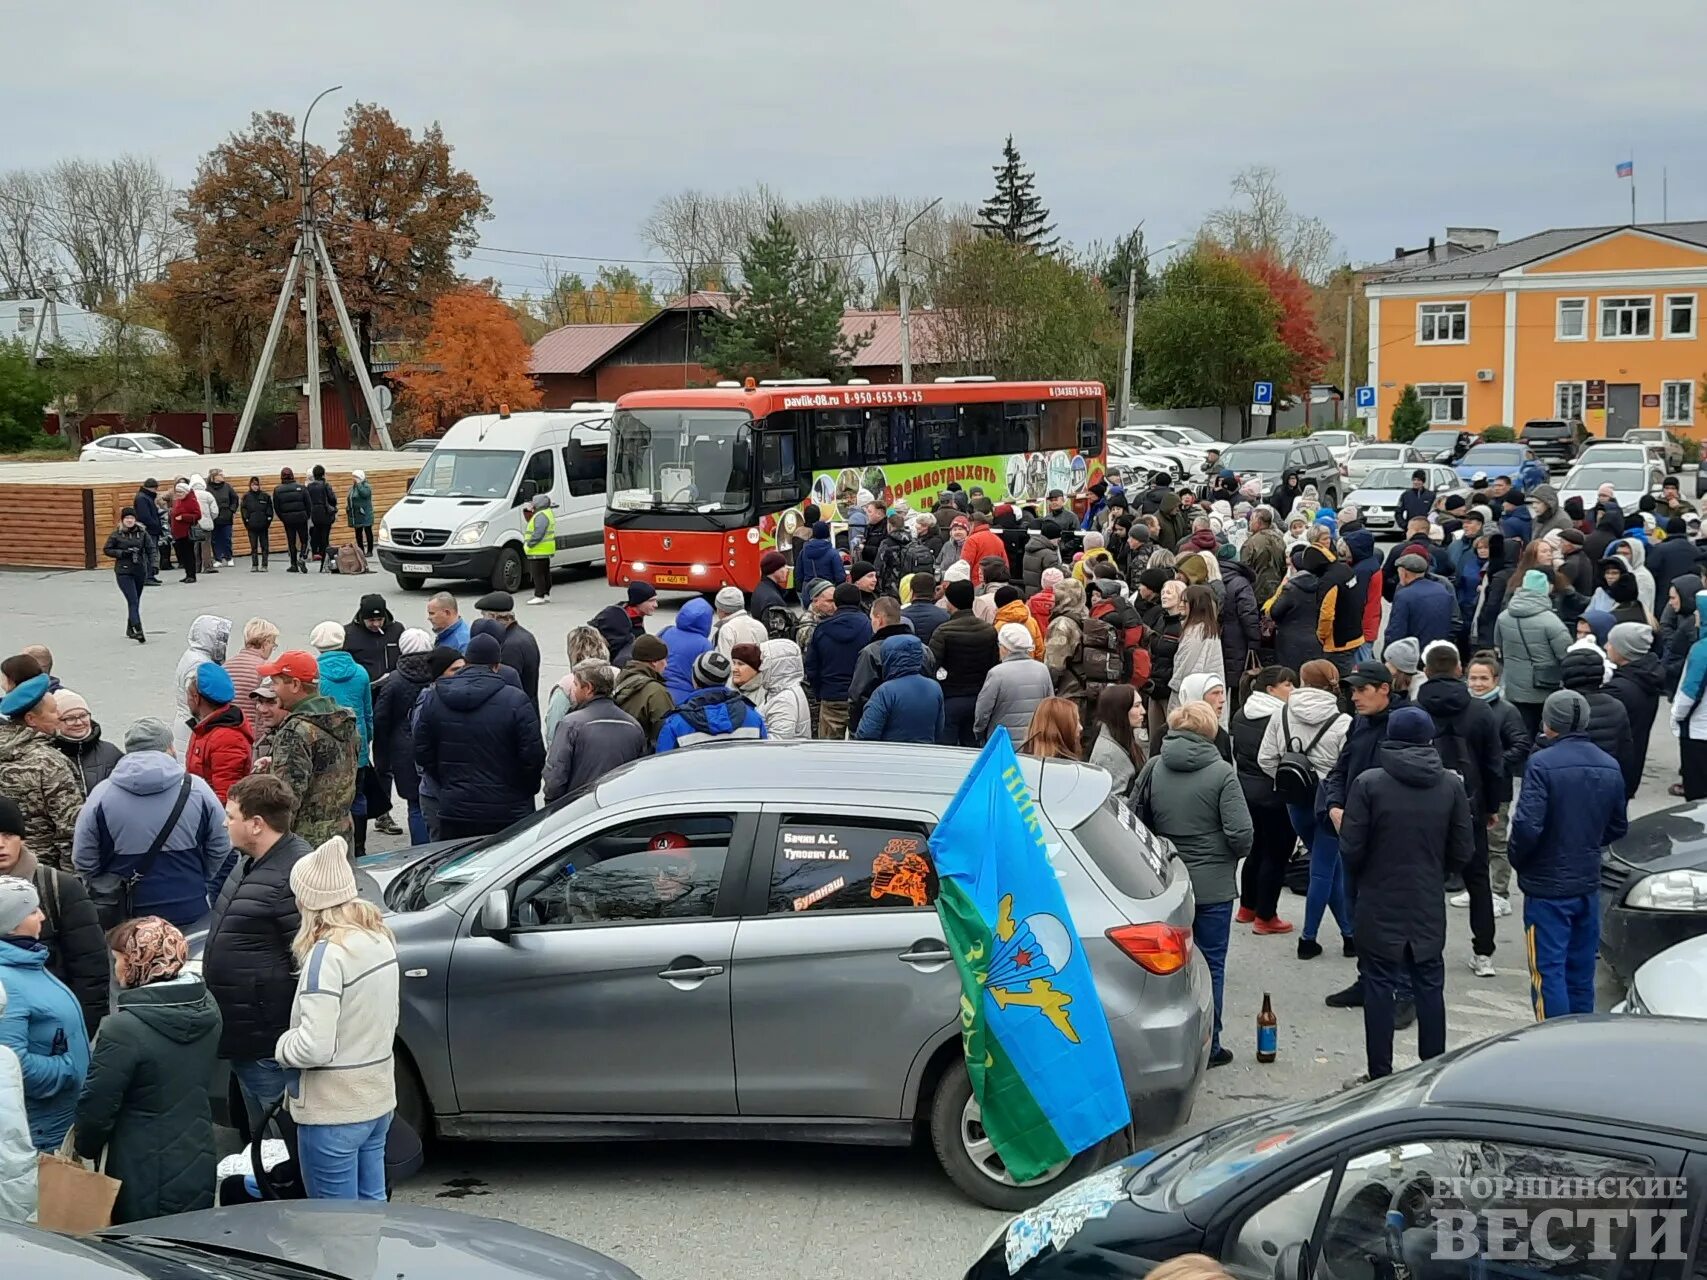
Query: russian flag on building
x,y
1626,168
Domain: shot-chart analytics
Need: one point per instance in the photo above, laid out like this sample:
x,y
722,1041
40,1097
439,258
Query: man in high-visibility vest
x,y
539,540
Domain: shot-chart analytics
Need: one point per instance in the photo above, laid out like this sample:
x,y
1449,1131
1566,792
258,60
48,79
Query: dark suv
x,y
1265,461
1556,441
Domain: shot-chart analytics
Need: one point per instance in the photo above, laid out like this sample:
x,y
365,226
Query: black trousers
x,y
1481,890
1531,713
959,713
364,537
259,536
1382,977
1264,872
1692,756
186,549
540,568
296,541
319,538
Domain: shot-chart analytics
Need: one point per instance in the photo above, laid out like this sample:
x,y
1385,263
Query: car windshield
x,y
1634,454
467,473
1388,478
1264,457
1378,453
681,460
1627,478
1498,454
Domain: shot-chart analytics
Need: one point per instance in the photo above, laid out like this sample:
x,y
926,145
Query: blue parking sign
x,y
1366,397
1262,393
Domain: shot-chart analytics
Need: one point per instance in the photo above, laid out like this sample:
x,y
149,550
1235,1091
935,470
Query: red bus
x,y
703,481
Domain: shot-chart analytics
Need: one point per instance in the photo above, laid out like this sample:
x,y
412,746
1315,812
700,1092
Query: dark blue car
x,y
1491,461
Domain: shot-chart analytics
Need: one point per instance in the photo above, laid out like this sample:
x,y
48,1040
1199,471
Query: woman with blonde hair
x,y
343,1022
260,638
1054,733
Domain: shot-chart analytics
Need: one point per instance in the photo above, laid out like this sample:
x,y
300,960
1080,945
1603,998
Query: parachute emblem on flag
x,y
1028,953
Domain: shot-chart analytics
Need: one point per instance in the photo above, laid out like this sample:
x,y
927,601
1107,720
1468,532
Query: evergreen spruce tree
x,y
1014,213
785,320
1410,417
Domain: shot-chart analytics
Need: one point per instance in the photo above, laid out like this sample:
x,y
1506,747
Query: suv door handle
x,y
926,953
692,974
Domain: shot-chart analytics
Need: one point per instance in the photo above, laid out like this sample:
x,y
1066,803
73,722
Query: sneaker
x,y
537,600
1244,915
1459,899
1274,924
1404,1013
1221,1057
1482,966
1350,998
1308,948
1502,905
386,825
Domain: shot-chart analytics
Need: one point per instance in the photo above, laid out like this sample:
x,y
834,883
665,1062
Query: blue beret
x,y
213,684
25,696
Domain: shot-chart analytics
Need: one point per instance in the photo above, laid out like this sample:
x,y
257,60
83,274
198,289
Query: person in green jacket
x,y
145,1099
1532,641
358,510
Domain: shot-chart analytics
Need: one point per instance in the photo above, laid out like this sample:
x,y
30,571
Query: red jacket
x,y
1040,606
221,748
984,541
186,515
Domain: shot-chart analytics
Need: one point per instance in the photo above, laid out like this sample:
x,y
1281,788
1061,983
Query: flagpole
x,y
1632,154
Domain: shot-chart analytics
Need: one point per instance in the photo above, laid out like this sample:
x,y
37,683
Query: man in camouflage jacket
x,y
35,776
314,749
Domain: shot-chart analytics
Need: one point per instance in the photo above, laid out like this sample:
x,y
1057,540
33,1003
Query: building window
x,y
1439,322
1626,318
1572,323
1444,402
26,319
1680,315
1568,400
1677,404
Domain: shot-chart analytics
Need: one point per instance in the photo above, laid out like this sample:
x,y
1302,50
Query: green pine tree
x,y
785,320
24,393
1410,417
1015,213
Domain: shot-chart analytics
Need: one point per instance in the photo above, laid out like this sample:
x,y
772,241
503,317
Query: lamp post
x,y
1124,401
907,295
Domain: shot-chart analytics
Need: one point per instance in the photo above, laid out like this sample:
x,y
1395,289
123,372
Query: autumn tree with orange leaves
x,y
473,359
1296,325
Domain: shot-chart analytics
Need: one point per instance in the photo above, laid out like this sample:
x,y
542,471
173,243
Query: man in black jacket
x,y
1416,502
519,648
322,515
771,590
372,638
1638,681
964,648
1609,723
1407,824
224,515
1482,678
147,504
290,505
1467,736
247,963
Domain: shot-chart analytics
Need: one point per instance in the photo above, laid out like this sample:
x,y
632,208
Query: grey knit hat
x,y
1632,639
17,900
148,734
1565,711
1403,655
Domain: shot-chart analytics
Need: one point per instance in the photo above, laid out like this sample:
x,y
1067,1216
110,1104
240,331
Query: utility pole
x,y
207,395
1345,378
311,294
907,295
1125,399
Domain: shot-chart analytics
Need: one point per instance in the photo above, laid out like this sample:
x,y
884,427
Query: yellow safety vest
x,y
548,543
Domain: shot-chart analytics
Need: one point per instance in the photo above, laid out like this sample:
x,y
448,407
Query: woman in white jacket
x,y
17,1152
1199,650
782,700
343,1023
1312,722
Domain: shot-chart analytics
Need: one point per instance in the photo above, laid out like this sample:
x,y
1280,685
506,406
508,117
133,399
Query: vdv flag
x,y
1626,168
1037,1045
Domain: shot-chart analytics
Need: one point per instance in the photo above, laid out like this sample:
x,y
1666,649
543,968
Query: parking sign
x,y
1366,402
1262,393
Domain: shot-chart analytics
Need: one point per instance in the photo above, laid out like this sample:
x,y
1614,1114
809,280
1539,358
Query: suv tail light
x,y
1160,948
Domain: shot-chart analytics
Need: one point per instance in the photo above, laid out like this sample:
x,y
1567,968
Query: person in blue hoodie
x,y
1515,520
40,1020
907,706
831,656
686,639
819,559
712,711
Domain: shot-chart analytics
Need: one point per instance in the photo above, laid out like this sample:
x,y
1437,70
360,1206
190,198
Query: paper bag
x,y
70,1196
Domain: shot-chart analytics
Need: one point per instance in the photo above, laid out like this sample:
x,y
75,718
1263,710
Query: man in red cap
x,y
314,749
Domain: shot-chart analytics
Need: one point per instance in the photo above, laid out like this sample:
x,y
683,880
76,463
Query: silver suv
x,y
739,941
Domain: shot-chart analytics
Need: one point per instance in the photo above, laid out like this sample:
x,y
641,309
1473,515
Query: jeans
x,y
185,549
1563,937
152,542
1499,866
263,1083
222,542
1384,980
1211,927
260,535
1327,873
959,714
130,586
418,833
343,1161
430,814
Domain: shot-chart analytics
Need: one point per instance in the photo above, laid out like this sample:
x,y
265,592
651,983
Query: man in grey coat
x,y
1013,688
594,738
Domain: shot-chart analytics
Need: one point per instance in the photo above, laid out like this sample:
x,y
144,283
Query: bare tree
x,y
1259,220
27,260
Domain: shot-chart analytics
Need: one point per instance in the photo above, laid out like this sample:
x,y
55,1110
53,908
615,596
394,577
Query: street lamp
x,y
1124,401
906,295
311,300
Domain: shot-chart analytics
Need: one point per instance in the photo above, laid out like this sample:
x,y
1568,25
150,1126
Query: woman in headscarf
x,y
145,1099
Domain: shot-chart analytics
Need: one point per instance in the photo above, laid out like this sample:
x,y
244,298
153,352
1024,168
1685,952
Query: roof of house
x,y
1543,244
39,323
576,348
884,349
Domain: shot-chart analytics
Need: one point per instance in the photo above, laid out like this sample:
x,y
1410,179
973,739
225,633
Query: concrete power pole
x,y
1124,402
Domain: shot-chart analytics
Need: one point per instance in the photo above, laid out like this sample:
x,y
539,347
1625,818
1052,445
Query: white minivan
x,y
462,516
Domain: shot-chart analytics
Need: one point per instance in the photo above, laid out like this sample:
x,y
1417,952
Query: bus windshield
x,y
467,473
681,460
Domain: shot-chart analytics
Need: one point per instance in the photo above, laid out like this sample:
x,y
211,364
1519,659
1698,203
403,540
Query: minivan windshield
x,y
467,473
681,460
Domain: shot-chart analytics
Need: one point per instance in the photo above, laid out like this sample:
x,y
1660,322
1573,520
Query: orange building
x,y
1601,324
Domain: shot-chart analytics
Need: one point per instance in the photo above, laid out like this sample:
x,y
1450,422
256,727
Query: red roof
x,y
576,348
884,349
699,300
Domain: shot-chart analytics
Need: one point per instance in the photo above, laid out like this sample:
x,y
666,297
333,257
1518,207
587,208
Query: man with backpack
x,y
1101,659
899,555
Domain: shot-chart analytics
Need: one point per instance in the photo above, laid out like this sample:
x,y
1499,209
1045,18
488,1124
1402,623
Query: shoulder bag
x,y
114,895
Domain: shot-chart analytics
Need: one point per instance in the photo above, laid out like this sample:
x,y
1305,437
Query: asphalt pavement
x,y
753,1210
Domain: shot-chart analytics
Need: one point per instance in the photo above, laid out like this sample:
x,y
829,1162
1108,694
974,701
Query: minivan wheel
x,y
969,1158
408,582
507,572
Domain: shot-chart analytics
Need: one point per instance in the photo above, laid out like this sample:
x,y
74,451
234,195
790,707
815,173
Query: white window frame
x,y
1580,395
1438,311
1694,316
1559,334
1431,392
1667,417
1623,302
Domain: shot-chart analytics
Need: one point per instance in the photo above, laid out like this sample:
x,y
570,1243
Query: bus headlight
x,y
470,534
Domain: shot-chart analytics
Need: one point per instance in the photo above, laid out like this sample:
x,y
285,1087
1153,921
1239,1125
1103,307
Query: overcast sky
x,y
1390,121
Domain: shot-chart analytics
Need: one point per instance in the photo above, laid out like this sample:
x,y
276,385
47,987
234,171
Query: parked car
x,y
1671,985
1515,461
1629,483
1376,499
425,444
740,940
1367,457
1265,461
1138,464
1653,887
133,446
1671,451
1339,443
1556,441
1183,463
1188,442
1444,444
305,1240
1358,1184
1631,453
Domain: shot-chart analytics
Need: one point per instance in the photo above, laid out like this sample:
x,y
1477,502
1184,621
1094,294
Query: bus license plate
x,y
672,579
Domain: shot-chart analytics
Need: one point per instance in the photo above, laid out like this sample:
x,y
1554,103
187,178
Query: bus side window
x,y
1090,436
902,444
981,428
779,473
938,427
1019,427
1060,425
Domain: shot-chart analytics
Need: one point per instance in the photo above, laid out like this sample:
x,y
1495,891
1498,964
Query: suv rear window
x,y
828,863
1545,431
1135,862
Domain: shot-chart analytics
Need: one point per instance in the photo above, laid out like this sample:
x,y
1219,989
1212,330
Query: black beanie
x,y
959,593
848,596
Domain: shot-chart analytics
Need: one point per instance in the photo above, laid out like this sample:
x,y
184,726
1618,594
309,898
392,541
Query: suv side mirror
x,y
495,913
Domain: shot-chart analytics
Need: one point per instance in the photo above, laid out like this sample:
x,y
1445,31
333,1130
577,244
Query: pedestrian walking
x,y
593,739
144,1111
79,740
70,929
342,1032
222,745
290,505
1532,644
186,518
314,749
224,516
1264,872
1570,807
41,1021
257,512
322,515
35,774
358,514
260,638
209,636
1406,825
1188,794
908,705
247,960
714,710
127,548
477,736
146,506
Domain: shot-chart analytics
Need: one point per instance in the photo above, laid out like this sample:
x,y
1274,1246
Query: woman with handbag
x,y
145,1102
343,1025
42,1023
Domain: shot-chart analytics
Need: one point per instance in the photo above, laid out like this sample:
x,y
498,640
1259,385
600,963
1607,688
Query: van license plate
x,y
415,568
672,579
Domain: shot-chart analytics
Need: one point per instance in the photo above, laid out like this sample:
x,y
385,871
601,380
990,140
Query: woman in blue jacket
x,y
42,1022
819,559
686,640
347,683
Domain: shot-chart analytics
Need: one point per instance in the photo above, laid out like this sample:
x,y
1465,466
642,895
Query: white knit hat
x,y
325,877
327,636
415,640
1014,638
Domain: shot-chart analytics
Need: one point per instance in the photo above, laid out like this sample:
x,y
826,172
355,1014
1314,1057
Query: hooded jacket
x,y
1010,695
358,504
1248,728
147,505
1516,523
38,778
1467,736
1679,629
478,738
376,651
590,741
739,627
393,747
1241,624
1017,611
1040,553
907,706
222,747
91,758
689,637
1188,794
1666,560
818,559
124,815
833,652
344,681
786,712
1621,597
39,1009
290,503
1550,516
71,931
1264,554
1292,727
869,671
146,1102
17,1152
208,637
1339,626
1296,610
314,750
1608,723
642,694
709,714
1638,684
1407,824
247,963
1532,642
1570,808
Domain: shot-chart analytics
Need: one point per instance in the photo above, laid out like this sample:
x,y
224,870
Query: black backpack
x,y
781,622
1102,656
1295,778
